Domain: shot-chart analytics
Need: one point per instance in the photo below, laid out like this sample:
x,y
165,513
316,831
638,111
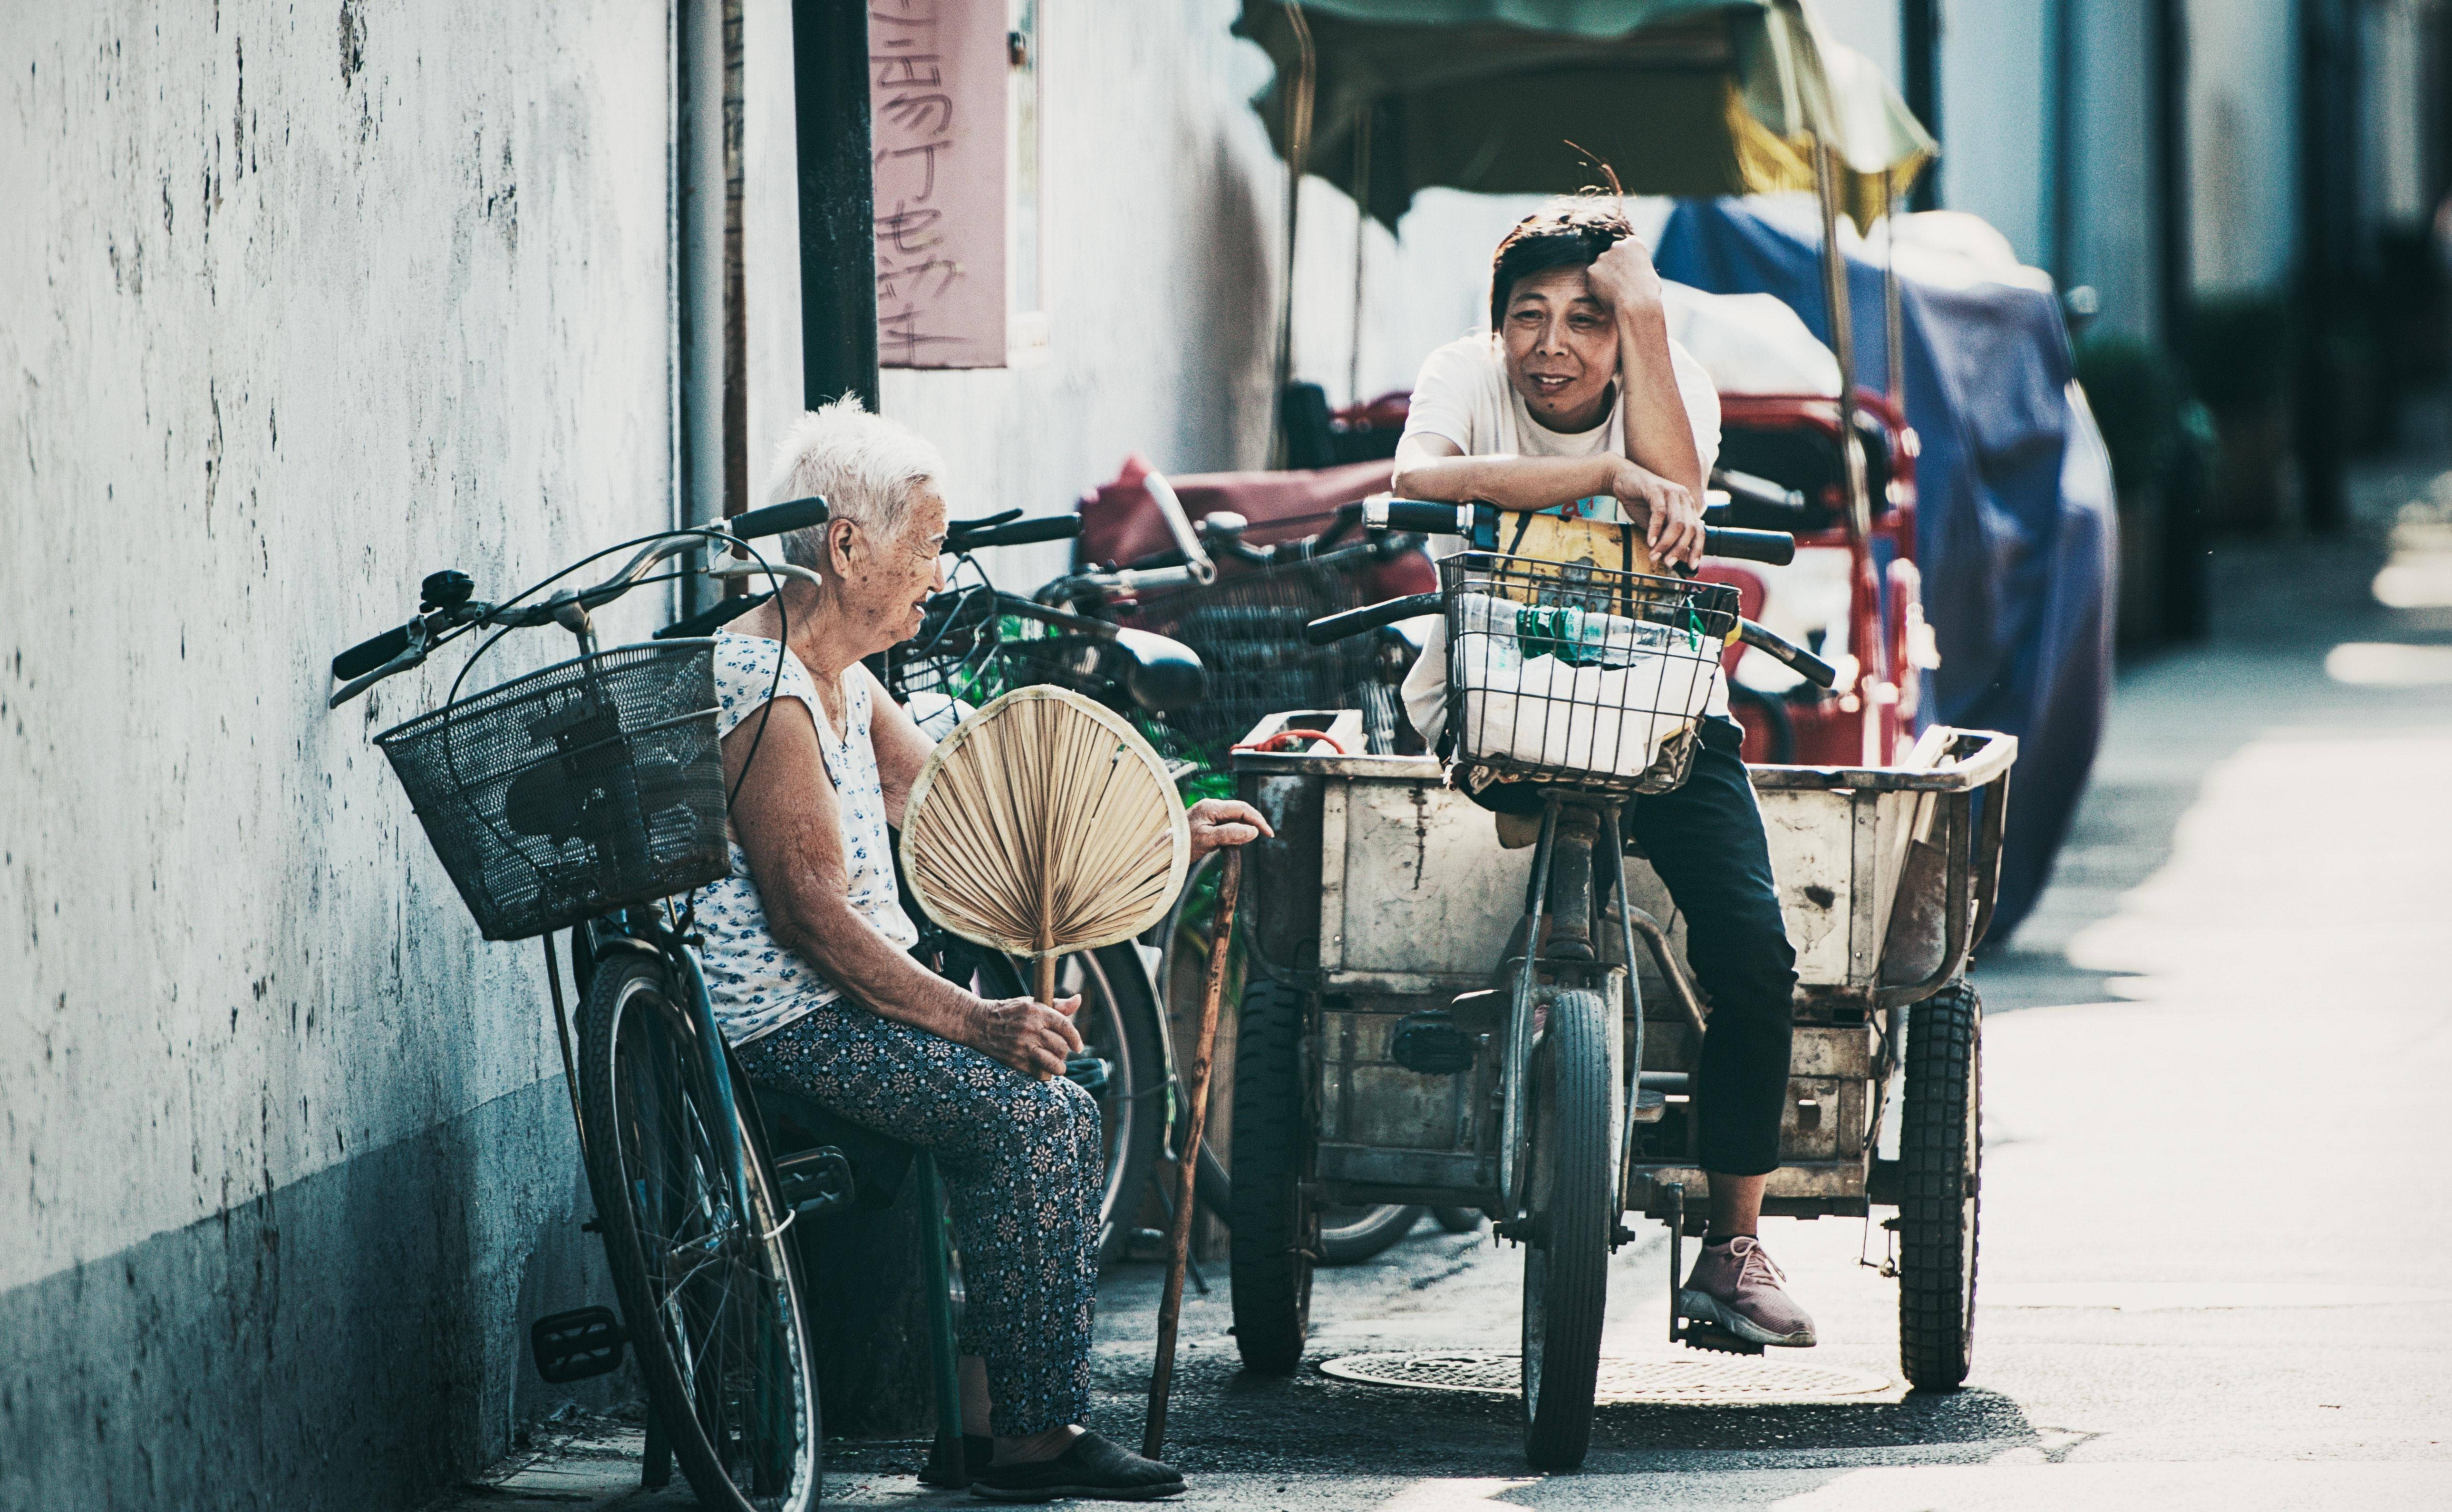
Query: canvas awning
x,y
1685,97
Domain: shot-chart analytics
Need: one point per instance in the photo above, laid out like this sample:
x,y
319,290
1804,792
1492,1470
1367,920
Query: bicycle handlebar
x,y
1478,524
374,651
795,514
1371,616
397,650
1804,663
1009,528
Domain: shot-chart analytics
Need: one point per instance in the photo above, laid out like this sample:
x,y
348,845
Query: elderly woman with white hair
x,y
807,956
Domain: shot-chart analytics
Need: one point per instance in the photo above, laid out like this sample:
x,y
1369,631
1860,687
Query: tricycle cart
x,y
1435,1018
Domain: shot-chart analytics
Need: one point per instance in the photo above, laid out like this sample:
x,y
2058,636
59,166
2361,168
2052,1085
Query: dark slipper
x,y
1091,1467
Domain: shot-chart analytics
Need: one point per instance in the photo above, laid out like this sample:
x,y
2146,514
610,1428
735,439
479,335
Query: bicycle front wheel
x,y
707,1289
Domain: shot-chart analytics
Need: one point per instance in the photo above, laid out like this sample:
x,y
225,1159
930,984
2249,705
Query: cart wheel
x,y
1566,1260
1275,1231
1941,1161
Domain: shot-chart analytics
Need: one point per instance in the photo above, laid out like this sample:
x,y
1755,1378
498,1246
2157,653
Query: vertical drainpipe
x,y
838,201
701,292
1920,39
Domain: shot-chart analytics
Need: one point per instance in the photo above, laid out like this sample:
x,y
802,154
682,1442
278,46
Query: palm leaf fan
x,y
1044,825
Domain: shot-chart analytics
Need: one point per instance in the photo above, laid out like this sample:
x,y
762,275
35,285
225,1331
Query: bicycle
x,y
585,797
1582,685
1245,631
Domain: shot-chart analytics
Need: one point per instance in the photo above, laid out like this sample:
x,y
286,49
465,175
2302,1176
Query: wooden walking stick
x,y
1204,1043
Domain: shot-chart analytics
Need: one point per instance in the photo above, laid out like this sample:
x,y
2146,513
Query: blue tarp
x,y
2015,526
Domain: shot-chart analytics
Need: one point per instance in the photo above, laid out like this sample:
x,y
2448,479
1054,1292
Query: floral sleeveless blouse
x,y
758,986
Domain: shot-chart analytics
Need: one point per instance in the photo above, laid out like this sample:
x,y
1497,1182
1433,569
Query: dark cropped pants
x,y
1705,842
1024,1165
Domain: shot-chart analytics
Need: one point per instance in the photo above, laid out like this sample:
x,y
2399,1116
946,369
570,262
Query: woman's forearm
x,y
1511,483
851,954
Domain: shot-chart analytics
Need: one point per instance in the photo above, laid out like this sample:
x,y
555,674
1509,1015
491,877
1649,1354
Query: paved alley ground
x,y
2217,1245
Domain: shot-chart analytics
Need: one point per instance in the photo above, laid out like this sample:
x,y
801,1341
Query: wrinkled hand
x,y
1220,822
1672,517
1029,1036
1623,277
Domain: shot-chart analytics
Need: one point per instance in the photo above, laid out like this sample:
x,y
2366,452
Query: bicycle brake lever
x,y
419,643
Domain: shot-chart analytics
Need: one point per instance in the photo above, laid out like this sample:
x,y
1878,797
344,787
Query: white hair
x,y
866,467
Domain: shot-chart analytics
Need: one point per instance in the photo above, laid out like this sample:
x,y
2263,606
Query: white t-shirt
x,y
1463,395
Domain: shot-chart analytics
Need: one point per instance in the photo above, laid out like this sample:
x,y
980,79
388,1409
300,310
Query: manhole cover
x,y
1698,1381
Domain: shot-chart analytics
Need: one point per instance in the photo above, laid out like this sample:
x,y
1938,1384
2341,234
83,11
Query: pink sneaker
x,y
1735,1287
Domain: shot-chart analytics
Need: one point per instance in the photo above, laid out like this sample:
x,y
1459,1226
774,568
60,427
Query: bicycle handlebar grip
x,y
366,655
1418,517
1371,616
795,514
1774,547
1807,666
1021,532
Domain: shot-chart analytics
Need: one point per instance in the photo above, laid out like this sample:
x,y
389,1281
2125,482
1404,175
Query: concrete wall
x,y
296,304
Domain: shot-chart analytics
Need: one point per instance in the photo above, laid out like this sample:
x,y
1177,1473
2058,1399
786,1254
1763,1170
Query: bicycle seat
x,y
880,1162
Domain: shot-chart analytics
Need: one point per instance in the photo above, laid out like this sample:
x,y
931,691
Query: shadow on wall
x,y
1229,289
336,1343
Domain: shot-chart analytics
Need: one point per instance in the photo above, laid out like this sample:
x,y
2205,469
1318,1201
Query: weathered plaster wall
x,y
297,304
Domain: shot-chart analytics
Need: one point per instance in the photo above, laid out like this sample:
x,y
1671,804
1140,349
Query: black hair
x,y
1570,232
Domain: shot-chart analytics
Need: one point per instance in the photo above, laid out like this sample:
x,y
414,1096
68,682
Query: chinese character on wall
x,y
938,107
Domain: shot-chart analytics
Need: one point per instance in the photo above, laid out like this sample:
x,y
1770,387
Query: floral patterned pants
x,y
1023,1164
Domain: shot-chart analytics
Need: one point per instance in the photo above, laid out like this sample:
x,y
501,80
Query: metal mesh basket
x,y
1578,676
574,791
1248,631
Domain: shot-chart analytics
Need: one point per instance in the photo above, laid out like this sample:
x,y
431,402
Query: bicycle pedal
x,y
815,1181
573,1346
1706,1336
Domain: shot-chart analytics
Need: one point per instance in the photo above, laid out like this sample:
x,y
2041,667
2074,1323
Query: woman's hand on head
x,y
1027,1035
1672,517
1623,277
1217,823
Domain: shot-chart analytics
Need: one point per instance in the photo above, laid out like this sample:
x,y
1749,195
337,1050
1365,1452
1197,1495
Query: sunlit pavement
x,y
2216,1210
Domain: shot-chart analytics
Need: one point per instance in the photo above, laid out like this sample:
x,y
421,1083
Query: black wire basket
x,y
1248,631
574,791
1576,676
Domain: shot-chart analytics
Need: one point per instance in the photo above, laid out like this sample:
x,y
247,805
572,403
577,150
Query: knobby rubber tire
x,y
625,987
1941,1155
1570,1206
1274,1228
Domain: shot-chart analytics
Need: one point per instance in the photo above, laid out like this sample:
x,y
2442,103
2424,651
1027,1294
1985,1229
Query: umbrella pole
x,y
1230,884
